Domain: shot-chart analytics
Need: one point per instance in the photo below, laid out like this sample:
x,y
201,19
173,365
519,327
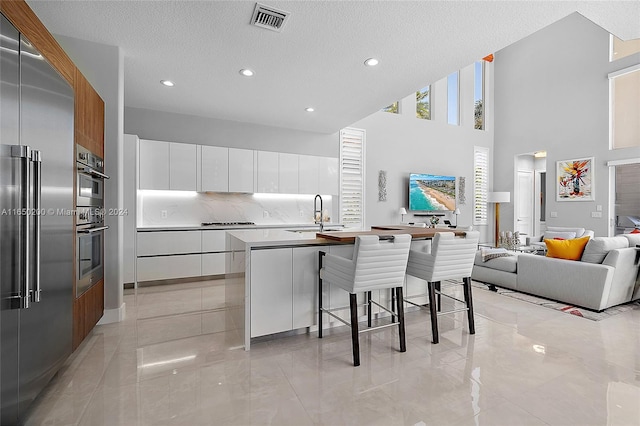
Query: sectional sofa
x,y
606,275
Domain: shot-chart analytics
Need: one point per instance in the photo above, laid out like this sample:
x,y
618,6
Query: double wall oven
x,y
90,225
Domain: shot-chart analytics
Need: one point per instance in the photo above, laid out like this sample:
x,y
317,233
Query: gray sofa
x,y
605,276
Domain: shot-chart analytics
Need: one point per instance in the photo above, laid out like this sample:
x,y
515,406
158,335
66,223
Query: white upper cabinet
x,y
288,173
215,169
328,176
308,174
267,171
182,166
154,164
241,176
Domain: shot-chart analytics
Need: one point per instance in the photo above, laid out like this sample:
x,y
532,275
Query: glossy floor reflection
x,y
172,363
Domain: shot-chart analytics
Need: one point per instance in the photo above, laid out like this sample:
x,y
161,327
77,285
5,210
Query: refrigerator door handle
x,y
36,161
24,154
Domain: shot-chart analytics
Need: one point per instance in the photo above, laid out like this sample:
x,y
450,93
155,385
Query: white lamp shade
x,y
403,210
498,197
456,211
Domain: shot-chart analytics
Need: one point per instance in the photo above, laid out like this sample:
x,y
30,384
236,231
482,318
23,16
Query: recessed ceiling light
x,y
246,72
167,83
371,62
309,109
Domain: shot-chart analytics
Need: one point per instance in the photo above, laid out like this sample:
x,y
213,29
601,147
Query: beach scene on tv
x,y
432,192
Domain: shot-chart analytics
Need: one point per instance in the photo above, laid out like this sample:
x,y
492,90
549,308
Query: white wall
x,y
166,126
552,93
103,66
401,144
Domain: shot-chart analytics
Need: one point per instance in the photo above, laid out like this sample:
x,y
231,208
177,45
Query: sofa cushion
x,y
634,239
557,235
597,248
507,263
566,249
579,231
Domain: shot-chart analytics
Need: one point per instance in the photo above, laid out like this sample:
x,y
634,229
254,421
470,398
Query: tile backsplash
x,y
177,208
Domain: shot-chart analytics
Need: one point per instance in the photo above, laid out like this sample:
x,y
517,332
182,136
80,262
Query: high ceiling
x,y
317,59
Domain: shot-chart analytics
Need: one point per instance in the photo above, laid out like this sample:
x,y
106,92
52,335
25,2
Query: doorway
x,y
530,194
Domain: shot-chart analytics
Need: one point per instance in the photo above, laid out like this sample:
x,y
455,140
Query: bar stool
x,y
450,258
375,265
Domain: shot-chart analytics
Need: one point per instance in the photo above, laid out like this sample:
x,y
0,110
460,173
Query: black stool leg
x,y
438,288
469,299
393,304
368,308
400,302
320,256
353,304
433,311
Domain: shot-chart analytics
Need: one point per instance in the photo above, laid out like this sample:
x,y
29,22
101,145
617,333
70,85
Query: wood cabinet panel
x,y
87,311
89,116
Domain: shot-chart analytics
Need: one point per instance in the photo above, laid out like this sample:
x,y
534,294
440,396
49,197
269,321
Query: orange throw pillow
x,y
635,231
566,249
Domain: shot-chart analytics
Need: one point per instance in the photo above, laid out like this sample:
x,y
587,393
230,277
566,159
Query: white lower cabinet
x,y
271,291
213,263
305,286
168,267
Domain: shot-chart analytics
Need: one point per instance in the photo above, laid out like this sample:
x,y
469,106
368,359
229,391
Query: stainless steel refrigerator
x,y
36,222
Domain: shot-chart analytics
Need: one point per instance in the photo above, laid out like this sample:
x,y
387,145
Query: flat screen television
x,y
431,193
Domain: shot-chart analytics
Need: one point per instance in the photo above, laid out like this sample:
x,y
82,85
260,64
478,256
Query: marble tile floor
x,y
168,363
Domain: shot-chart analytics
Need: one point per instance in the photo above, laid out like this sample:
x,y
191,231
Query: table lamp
x,y
402,212
456,212
497,198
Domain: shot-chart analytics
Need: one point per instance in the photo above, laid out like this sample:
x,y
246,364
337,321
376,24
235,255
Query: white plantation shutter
x,y
352,177
480,184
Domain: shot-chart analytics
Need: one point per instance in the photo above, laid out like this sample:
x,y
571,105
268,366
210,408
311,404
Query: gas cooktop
x,y
228,224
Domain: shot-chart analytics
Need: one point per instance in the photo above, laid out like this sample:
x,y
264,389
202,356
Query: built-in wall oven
x,y
90,227
90,178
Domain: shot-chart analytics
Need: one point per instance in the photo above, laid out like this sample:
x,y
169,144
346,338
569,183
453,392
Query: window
x,y
352,177
453,110
480,184
624,89
620,49
393,108
423,103
478,95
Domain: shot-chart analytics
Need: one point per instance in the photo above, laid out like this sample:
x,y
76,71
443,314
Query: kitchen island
x,y
272,277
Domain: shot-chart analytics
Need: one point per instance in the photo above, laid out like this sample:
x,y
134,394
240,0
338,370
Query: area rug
x,y
563,307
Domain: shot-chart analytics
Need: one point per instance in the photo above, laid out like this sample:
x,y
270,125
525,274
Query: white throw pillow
x,y
579,231
550,235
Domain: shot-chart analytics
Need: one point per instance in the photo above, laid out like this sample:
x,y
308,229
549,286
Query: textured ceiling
x,y
317,60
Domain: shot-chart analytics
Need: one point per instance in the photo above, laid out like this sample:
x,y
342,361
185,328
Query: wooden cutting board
x,y
385,232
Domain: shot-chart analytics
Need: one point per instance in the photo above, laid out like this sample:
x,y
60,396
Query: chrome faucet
x,y
317,214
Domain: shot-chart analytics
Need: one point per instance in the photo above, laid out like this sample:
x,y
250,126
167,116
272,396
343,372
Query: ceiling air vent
x,y
268,17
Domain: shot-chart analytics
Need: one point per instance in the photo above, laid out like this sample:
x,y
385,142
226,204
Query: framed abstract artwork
x,y
575,180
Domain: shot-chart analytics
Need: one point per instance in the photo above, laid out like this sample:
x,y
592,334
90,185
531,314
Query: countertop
x,y
387,231
277,237
310,226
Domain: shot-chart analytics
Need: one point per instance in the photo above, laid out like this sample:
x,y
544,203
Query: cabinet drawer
x,y
168,267
213,263
213,241
170,242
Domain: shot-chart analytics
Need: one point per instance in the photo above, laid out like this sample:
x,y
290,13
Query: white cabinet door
x,y
213,241
240,170
305,286
271,291
328,176
213,263
182,166
308,174
169,242
288,173
154,164
267,171
215,169
168,267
